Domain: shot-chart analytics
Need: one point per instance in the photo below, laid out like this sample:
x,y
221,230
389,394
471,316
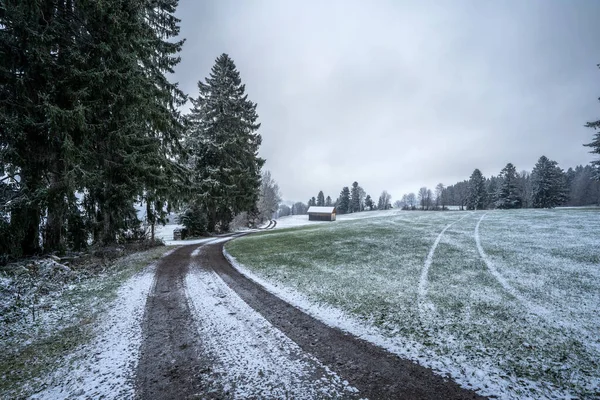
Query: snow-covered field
x,y
504,301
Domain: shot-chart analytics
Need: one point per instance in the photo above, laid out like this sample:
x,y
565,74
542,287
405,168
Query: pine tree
x,y
223,144
508,194
343,206
130,153
583,189
477,192
328,201
548,184
355,198
369,202
85,105
492,187
320,199
595,145
29,32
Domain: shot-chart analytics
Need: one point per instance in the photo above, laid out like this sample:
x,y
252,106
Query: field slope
x,y
503,301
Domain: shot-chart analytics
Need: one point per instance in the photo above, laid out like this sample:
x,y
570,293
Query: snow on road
x,y
253,358
105,367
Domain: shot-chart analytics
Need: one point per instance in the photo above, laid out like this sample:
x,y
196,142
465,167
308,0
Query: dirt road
x,y
170,364
201,341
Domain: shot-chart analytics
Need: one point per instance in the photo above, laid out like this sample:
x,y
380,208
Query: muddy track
x,y
377,373
170,364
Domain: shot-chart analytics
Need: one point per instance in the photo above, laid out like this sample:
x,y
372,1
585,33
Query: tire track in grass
x,y
532,308
544,314
424,306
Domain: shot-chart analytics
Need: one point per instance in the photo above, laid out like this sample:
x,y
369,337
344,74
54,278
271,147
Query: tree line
x,y
350,200
90,128
547,186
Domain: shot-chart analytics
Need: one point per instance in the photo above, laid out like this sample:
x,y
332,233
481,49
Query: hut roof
x,y
321,210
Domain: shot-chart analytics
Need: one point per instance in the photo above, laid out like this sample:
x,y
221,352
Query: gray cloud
x,y
397,95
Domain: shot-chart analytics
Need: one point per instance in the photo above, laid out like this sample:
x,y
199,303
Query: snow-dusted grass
x,y
504,301
251,358
74,328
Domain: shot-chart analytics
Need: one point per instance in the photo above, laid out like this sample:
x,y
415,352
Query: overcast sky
x,y
402,94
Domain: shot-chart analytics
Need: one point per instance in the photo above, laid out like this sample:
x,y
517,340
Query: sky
x,y
403,94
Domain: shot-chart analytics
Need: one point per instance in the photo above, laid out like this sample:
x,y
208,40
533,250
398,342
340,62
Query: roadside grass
x,y
34,348
530,333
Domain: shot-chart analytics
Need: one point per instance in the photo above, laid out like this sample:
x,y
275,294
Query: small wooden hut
x,y
321,213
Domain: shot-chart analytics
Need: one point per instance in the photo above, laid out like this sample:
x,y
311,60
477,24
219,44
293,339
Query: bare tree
x,y
423,197
268,201
429,199
284,211
299,208
439,195
411,199
361,198
384,201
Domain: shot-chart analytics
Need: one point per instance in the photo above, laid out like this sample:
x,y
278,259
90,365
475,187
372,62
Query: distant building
x,y
321,213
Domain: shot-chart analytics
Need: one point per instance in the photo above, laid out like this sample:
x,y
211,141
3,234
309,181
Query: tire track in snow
x,y
253,359
423,304
534,309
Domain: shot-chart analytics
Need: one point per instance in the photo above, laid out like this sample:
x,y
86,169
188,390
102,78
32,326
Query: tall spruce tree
x,y
492,187
369,203
223,145
328,201
85,106
548,184
343,206
29,34
136,134
320,199
583,189
355,198
508,194
595,145
477,191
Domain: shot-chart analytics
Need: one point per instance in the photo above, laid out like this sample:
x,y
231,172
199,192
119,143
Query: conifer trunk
x,y
57,210
27,217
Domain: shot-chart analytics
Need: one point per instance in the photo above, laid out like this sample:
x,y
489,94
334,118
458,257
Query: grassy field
x,y
505,301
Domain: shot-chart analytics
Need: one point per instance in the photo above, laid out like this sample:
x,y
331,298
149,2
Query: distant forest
x,y
546,186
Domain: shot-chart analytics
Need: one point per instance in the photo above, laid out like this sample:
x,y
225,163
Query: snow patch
x,y
105,367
